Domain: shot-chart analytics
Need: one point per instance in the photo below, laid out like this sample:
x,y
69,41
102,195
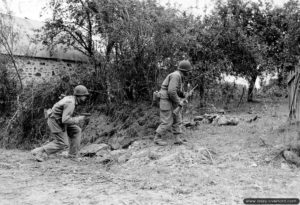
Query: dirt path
x,y
241,167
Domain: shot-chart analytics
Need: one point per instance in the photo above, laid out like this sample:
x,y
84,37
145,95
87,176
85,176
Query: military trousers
x,y
67,137
168,120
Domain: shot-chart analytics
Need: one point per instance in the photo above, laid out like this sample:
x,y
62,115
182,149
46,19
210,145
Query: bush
x,y
272,90
27,126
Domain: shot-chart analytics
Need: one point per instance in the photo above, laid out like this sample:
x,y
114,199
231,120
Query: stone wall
x,y
38,70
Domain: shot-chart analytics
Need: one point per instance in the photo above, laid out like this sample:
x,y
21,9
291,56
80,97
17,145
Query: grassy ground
x,y
218,165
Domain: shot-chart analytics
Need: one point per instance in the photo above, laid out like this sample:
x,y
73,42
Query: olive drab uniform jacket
x,y
61,114
171,91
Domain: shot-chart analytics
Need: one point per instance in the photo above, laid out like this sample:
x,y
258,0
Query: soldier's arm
x,y
173,88
67,114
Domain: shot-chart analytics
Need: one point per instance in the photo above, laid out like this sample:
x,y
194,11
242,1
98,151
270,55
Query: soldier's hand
x,y
80,119
183,102
186,94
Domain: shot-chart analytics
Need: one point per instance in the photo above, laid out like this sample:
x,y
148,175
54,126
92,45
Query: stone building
x,y
41,69
35,62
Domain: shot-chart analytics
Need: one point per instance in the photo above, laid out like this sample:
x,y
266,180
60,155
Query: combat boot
x,y
179,140
39,154
159,141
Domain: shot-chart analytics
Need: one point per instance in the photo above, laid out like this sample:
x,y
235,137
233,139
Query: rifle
x,y
85,114
86,121
178,109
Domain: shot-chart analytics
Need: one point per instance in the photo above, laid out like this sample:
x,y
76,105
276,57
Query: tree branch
x,y
10,53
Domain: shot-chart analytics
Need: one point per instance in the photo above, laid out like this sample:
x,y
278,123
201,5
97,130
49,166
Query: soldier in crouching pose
x,y
64,127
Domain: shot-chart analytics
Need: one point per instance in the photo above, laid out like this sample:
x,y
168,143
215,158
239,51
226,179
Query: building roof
x,y
27,45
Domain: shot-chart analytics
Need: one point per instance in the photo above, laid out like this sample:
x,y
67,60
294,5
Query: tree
x,y
243,25
70,25
83,25
8,37
207,56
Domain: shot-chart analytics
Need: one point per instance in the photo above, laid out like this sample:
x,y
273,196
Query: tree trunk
x,y
107,69
251,87
202,92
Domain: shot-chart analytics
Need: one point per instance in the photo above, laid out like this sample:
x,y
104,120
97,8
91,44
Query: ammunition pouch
x,y
47,113
156,96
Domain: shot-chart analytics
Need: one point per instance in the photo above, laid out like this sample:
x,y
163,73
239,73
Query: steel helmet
x,y
80,90
185,66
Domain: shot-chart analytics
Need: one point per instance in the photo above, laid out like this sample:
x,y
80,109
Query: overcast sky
x,y
32,8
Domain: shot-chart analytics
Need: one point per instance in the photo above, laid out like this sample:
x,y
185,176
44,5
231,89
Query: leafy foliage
x,y
130,41
126,41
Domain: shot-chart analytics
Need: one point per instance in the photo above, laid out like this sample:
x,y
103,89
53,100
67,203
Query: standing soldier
x,y
171,93
63,126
